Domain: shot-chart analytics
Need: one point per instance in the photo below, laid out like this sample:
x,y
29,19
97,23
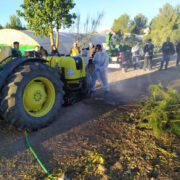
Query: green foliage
x,y
130,39
44,16
141,22
89,164
126,40
157,49
126,25
1,26
167,23
117,38
162,111
15,23
123,24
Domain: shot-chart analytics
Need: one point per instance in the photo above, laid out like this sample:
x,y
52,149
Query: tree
x,y
87,28
167,23
1,26
15,23
123,24
90,26
45,16
178,9
141,22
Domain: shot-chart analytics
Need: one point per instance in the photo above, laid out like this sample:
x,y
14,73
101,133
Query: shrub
x,y
162,111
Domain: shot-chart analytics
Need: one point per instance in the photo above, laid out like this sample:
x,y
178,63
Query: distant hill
x,y
105,31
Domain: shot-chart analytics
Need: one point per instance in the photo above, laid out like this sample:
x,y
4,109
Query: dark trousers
x,y
178,60
90,67
147,63
166,58
135,61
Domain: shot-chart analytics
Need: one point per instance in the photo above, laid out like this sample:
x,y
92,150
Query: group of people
x,y
98,57
38,52
91,55
42,53
101,59
168,49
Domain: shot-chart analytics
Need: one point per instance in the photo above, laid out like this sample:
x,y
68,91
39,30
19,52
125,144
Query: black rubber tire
x,y
12,107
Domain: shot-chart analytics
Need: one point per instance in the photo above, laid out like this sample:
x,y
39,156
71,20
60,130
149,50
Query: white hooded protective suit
x,y
101,61
85,55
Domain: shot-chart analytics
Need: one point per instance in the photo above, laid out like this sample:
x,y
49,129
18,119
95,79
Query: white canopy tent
x,y
8,36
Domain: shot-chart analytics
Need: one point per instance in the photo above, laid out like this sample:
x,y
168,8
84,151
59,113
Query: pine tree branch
x,y
171,121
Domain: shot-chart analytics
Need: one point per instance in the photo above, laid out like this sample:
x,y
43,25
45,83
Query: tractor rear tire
x,y
32,96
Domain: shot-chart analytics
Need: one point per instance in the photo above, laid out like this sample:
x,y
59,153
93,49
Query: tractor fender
x,y
13,64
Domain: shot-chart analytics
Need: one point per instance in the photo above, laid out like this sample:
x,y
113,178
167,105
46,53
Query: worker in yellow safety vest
x,y
75,50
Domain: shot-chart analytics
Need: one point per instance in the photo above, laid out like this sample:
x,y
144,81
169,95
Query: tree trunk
x,y
51,38
57,39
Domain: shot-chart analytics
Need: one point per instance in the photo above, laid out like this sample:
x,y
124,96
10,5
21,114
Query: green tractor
x,y
32,90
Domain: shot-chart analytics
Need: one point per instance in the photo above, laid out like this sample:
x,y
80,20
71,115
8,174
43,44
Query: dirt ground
x,y
59,139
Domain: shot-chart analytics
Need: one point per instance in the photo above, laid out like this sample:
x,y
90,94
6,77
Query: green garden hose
x,y
35,155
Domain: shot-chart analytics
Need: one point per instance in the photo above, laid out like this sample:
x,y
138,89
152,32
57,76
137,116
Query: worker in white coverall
x,y
85,55
101,61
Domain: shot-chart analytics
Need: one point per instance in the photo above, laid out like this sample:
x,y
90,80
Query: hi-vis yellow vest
x,y
74,52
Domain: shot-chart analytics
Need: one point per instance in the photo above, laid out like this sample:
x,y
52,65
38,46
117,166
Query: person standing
x,y
15,50
91,51
101,61
148,53
43,52
122,61
75,50
85,55
178,53
135,55
36,52
168,50
54,51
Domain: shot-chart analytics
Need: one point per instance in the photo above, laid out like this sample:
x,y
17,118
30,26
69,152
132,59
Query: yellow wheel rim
x,y
39,97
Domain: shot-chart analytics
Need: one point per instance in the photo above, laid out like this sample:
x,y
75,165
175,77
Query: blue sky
x,y
112,9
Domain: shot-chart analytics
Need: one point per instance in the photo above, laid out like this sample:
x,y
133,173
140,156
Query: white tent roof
x,y
8,36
